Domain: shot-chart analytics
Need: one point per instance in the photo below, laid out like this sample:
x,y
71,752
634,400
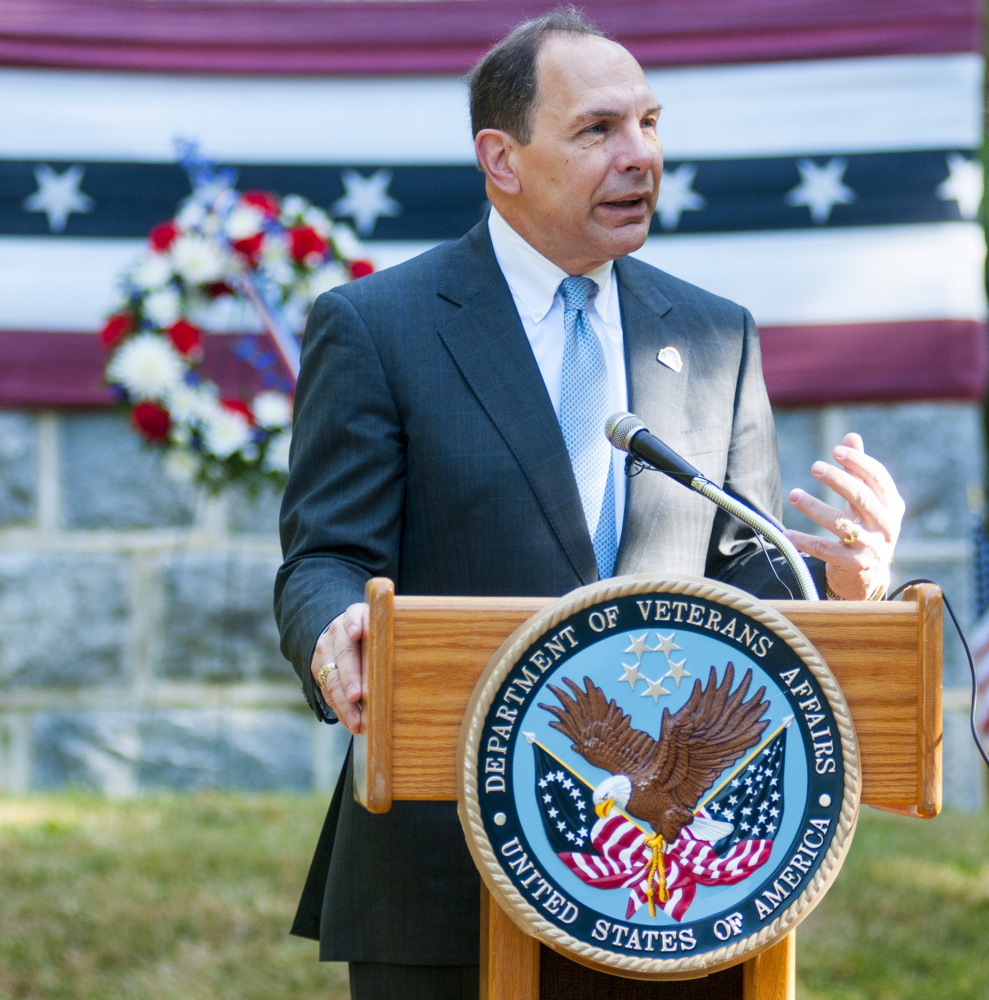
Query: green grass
x,y
908,917
192,897
185,897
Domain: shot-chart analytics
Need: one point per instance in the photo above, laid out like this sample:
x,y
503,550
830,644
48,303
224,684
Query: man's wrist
x,y
878,593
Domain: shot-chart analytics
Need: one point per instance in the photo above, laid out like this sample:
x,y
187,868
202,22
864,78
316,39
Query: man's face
x,y
590,175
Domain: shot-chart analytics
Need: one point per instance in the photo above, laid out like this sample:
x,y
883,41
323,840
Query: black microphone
x,y
628,433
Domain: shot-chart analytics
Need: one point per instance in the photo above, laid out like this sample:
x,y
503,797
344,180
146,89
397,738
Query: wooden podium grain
x,y
423,656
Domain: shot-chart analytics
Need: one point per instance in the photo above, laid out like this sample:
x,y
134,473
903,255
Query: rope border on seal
x,y
527,916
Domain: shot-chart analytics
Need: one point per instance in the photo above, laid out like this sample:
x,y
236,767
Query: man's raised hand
x,y
859,556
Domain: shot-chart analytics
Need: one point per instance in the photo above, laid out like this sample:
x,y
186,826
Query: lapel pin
x,y
670,357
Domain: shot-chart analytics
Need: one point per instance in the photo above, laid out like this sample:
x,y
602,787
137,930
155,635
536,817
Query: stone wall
x,y
138,650
137,646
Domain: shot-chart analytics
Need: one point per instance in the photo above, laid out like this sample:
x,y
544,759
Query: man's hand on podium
x,y
343,684
859,557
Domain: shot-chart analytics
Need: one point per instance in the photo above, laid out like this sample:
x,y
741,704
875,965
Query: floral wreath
x,y
229,262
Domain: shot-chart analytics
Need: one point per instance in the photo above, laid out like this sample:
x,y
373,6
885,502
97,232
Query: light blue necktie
x,y
584,408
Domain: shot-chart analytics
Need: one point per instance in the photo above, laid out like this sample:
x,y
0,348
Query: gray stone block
x,y
97,750
330,745
242,749
110,479
65,619
18,468
131,751
798,437
254,515
218,619
935,453
14,752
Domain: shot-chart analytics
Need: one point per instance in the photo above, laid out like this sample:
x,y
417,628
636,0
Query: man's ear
x,y
495,152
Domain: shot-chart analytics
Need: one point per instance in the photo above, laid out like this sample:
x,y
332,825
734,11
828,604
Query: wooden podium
x,y
423,656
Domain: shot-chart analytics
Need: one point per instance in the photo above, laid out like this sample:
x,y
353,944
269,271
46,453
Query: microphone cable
x,y
968,653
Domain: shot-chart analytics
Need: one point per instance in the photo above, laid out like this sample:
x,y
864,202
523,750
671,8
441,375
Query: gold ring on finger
x,y
324,672
853,535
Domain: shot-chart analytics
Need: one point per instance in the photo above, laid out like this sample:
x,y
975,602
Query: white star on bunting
x,y
962,185
821,188
676,195
58,195
366,199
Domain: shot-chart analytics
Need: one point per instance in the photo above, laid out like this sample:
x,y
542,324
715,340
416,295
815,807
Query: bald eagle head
x,y
616,789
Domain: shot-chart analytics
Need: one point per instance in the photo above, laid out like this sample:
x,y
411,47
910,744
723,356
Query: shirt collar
x,y
533,278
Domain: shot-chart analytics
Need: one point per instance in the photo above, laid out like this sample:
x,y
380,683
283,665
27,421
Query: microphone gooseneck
x,y
628,433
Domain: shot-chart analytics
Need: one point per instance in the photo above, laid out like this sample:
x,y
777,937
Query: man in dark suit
x,y
446,435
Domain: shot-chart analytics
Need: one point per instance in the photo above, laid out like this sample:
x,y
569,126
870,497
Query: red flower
x,y
115,329
152,421
186,338
264,201
249,248
358,268
238,406
217,288
163,235
303,241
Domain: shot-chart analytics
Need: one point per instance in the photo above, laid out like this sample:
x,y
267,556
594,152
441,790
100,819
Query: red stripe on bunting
x,y
448,36
40,369
804,365
875,362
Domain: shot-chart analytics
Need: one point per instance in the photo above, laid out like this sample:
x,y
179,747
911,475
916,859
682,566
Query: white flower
x,y
346,242
180,434
319,221
274,259
226,432
193,405
147,367
163,307
293,208
191,214
153,271
197,260
275,247
276,454
326,278
180,464
272,410
243,221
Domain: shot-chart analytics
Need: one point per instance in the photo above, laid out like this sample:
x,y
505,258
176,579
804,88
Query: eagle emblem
x,y
661,781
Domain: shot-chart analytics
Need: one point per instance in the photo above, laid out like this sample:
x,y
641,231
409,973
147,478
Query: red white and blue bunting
x,y
821,164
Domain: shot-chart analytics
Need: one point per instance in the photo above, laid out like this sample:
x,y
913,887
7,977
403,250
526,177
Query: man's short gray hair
x,y
503,84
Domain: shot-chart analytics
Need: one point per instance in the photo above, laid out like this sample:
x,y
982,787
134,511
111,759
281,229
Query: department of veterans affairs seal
x,y
658,778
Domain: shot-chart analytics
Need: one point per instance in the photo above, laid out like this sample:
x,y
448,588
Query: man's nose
x,y
635,153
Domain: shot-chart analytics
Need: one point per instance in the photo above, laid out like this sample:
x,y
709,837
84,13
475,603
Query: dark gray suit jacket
x,y
425,449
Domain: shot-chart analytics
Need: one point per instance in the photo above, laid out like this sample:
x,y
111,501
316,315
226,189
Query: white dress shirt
x,y
535,285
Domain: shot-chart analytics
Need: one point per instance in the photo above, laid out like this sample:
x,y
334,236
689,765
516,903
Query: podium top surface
x,y
425,654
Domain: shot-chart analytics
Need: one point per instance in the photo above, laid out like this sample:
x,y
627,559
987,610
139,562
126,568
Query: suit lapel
x,y
656,395
488,343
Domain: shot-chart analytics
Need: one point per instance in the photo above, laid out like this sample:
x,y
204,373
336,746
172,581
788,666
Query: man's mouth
x,y
635,201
